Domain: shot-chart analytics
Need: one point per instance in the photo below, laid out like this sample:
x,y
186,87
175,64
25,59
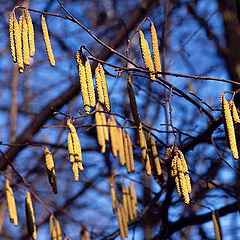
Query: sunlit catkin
x,y
145,156
25,42
230,128
53,233
105,89
124,220
83,82
130,152
120,223
18,45
217,226
146,54
11,36
47,41
30,219
90,87
99,84
58,230
129,204
75,171
126,150
104,122
154,154
113,134
70,148
155,50
113,196
125,202
30,33
84,233
121,147
11,203
133,104
234,112
133,198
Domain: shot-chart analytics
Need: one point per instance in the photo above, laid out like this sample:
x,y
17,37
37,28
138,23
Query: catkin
x,y
133,199
126,150
70,148
155,50
113,196
18,45
89,79
129,203
47,42
120,223
83,82
145,155
217,226
174,173
146,54
53,233
84,233
99,84
75,171
105,89
124,220
121,147
11,203
133,104
11,36
104,123
234,112
100,131
25,42
154,154
20,23
229,126
113,134
30,219
130,152
58,230
30,34
124,200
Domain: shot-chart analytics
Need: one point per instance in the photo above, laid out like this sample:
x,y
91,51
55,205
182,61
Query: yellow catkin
x,y
133,104
11,203
18,45
104,122
124,200
47,41
130,152
77,150
100,131
121,147
113,134
182,180
126,150
71,126
129,204
58,230
146,54
185,171
84,233
105,89
48,159
155,50
154,154
217,226
124,220
89,79
120,223
99,84
30,219
75,171
234,112
11,36
113,196
145,155
83,82
25,42
70,148
20,23
30,33
230,128
53,233
174,173
133,199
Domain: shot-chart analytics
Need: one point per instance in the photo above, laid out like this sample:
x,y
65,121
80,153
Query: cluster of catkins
x,y
230,118
21,34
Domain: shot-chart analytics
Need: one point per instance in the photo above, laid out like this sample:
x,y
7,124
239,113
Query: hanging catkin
x,y
53,233
124,220
120,223
18,45
30,33
84,233
130,152
217,226
83,82
113,195
47,42
133,105
90,87
133,199
155,50
154,154
234,112
30,219
146,54
51,171
100,130
11,203
145,156
113,134
99,84
126,150
174,173
104,122
121,147
58,230
25,42
229,126
11,36
124,200
105,89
